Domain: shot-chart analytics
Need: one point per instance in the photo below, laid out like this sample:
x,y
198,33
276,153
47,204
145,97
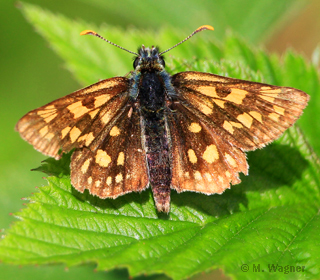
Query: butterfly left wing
x,y
201,159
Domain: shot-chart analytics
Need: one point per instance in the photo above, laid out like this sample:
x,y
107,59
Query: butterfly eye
x,y
162,61
136,62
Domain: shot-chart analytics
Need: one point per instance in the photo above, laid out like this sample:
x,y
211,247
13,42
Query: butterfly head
x,y
149,59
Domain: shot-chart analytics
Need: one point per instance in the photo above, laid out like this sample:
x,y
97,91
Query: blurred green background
x,y
32,74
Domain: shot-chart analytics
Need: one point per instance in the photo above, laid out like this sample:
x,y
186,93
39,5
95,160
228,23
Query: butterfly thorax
x,y
151,96
150,79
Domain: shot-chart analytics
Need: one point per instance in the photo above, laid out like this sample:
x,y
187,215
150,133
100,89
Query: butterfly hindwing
x,y
75,120
116,164
201,160
247,114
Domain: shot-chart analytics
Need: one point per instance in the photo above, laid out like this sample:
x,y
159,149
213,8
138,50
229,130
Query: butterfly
x,y
187,132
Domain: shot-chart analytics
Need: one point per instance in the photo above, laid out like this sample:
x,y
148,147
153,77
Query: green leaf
x,y
255,20
270,218
50,166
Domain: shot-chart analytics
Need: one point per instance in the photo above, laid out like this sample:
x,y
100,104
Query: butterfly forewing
x,y
75,120
247,114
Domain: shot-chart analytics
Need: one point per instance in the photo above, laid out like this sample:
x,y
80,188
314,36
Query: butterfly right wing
x,y
75,120
104,126
115,162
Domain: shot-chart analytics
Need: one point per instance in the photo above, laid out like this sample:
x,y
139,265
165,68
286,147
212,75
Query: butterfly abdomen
x,y
152,102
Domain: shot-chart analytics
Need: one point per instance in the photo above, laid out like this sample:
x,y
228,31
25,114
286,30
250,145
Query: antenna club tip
x,y
88,32
205,27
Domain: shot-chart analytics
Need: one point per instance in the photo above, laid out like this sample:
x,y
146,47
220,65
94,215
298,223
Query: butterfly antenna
x,y
90,32
203,27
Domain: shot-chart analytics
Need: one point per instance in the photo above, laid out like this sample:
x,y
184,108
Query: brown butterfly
x,y
186,132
